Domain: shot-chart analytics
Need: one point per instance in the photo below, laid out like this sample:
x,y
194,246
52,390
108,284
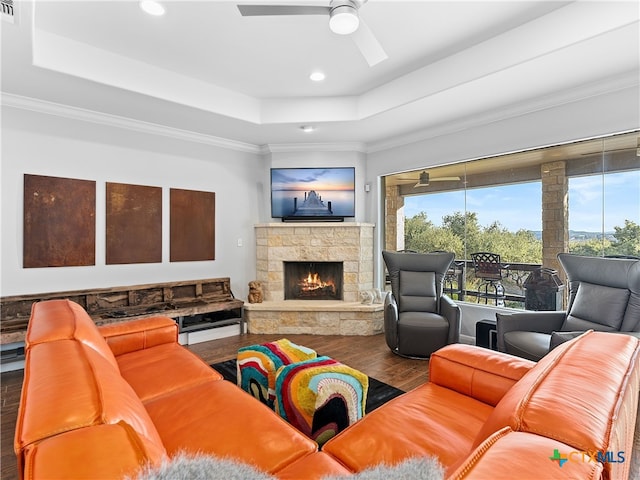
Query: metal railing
x,y
460,279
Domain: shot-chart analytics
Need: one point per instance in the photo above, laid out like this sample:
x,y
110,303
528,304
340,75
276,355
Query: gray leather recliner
x,y
604,295
418,318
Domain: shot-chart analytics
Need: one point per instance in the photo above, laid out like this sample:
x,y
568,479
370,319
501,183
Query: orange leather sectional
x,y
99,402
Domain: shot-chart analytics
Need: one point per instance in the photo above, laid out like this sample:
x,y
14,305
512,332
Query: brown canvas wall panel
x,y
59,222
133,224
192,225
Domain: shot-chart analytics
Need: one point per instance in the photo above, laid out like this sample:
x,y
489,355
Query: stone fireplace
x,y
346,246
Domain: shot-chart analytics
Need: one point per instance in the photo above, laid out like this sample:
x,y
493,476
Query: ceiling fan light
x,y
344,20
152,7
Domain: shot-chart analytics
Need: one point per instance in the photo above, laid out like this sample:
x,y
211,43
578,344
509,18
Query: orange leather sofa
x,y
99,402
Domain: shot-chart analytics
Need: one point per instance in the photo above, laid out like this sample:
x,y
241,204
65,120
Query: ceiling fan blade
x,y
368,44
262,10
445,179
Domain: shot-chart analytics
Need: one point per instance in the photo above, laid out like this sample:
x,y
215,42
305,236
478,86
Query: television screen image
x,y
313,192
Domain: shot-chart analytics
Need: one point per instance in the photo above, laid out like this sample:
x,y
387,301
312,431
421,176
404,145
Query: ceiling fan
x,y
425,180
343,20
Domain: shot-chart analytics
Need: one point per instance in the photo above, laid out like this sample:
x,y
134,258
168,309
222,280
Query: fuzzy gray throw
x,y
204,467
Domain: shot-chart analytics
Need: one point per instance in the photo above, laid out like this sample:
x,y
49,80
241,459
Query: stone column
x,y
555,214
394,215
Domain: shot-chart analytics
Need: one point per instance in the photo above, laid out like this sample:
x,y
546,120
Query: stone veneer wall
x,y
348,242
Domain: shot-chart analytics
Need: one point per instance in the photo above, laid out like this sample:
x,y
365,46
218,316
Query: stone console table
x,y
317,317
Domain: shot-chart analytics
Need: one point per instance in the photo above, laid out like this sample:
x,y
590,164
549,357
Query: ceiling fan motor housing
x,y
343,3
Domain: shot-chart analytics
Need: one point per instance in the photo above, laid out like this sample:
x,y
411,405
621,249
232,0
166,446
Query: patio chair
x,y
418,318
488,268
604,295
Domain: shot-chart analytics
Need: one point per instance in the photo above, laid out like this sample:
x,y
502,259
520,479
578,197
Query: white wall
x,y
595,115
41,144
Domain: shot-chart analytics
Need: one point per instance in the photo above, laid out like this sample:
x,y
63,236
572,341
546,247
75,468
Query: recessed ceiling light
x,y
152,7
307,128
317,76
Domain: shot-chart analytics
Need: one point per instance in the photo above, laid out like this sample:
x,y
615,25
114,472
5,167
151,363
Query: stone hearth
x,y
350,243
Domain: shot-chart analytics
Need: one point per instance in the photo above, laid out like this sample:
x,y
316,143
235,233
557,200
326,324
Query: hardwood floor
x,y
368,354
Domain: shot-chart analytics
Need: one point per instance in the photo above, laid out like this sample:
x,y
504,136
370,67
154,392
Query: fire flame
x,y
314,282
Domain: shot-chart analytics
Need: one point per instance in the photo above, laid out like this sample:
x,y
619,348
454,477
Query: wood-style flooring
x,y
368,354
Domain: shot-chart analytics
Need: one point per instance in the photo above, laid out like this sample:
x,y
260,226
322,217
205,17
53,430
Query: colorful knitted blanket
x,y
257,366
321,396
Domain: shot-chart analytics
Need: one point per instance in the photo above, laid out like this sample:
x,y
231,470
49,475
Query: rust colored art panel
x,y
134,224
192,225
59,222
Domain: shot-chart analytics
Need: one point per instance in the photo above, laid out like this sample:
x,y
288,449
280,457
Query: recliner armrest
x,y
452,312
477,372
391,321
542,322
136,335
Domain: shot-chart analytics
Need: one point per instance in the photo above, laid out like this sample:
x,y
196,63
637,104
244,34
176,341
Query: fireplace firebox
x,y
313,280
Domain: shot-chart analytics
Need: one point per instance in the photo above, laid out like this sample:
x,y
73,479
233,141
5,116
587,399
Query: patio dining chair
x,y
488,268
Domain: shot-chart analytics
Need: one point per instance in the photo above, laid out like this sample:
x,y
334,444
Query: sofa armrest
x,y
476,372
505,452
542,322
130,336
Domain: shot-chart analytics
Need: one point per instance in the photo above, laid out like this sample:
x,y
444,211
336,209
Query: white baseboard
x,y
11,366
468,339
211,334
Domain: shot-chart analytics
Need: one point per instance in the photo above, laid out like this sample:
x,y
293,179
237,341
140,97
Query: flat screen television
x,y
313,193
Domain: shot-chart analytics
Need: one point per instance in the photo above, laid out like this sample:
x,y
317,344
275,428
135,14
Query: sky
x,y
306,179
519,206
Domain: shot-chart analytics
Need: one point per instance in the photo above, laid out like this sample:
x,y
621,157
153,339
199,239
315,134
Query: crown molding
x,y
609,85
91,116
623,81
314,147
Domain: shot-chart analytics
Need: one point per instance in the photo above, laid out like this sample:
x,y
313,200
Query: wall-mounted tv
x,y
313,193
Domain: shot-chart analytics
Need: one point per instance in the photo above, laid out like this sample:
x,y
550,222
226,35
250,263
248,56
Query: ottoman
x,y
257,366
321,396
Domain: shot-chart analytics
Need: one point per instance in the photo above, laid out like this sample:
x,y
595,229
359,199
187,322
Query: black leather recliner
x,y
418,318
604,295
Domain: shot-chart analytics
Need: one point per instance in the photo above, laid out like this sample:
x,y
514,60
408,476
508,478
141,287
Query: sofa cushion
x,y
81,454
220,419
597,307
556,398
64,319
68,386
429,420
314,465
163,369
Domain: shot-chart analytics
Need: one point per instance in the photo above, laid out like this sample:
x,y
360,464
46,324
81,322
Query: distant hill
x,y
579,235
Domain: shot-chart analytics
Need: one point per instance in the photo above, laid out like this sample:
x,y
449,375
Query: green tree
x,y
464,226
627,240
